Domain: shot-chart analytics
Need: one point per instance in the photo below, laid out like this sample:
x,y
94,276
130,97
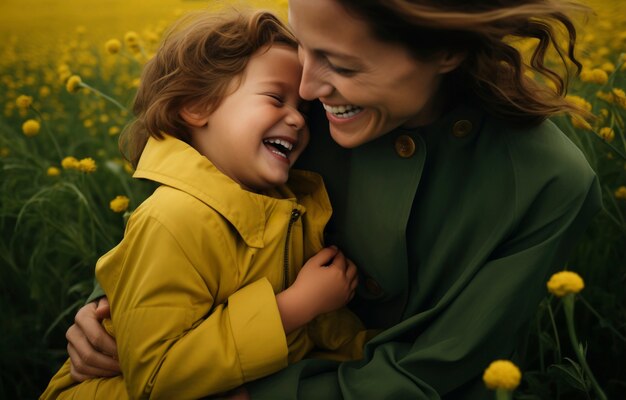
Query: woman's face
x,y
368,87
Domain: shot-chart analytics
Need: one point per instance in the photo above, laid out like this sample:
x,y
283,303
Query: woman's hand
x,y
92,351
325,283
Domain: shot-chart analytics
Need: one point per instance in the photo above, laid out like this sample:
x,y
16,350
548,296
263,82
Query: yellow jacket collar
x,y
174,163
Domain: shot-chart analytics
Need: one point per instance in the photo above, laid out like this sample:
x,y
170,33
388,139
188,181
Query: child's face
x,y
258,132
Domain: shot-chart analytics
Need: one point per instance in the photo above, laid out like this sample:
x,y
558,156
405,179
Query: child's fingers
x,y
339,261
325,256
351,271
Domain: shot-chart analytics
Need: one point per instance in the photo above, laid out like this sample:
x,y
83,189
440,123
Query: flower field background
x,y
68,73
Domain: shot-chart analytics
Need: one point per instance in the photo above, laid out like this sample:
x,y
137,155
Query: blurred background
x,y
65,190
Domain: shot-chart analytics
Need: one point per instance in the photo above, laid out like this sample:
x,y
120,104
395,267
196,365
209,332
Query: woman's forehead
x,y
326,23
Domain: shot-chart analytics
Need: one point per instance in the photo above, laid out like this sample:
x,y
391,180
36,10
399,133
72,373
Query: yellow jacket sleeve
x,y
337,335
173,341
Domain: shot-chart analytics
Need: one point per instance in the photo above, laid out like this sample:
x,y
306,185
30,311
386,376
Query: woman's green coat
x,y
454,243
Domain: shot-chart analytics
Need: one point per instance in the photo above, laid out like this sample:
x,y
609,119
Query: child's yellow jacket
x,y
192,285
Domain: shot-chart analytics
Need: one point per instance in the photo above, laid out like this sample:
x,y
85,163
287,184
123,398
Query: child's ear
x,y
194,117
449,61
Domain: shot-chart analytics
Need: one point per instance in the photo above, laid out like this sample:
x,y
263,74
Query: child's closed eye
x,y
277,98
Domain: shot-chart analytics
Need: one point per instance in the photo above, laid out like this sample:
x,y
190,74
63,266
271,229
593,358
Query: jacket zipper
x,y
294,216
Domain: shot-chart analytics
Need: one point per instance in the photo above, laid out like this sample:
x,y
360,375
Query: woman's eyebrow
x,y
333,54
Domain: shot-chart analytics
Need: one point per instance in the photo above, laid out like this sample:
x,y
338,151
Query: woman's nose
x,y
313,85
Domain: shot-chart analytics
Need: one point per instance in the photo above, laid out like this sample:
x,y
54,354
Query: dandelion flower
x,y
113,46
596,75
87,165
565,282
502,374
607,134
620,193
580,123
128,167
31,127
608,97
119,204
44,91
114,130
64,72
53,171
609,67
70,163
23,102
604,113
619,97
131,37
152,37
73,83
579,101
88,123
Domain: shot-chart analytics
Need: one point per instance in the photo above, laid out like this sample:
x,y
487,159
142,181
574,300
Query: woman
x,y
451,190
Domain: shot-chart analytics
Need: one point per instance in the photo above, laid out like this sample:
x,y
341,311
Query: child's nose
x,y
295,119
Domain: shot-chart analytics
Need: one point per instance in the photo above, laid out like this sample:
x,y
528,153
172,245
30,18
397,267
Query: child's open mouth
x,y
280,147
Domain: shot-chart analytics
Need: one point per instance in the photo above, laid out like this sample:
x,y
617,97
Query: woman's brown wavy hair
x,y
493,71
195,65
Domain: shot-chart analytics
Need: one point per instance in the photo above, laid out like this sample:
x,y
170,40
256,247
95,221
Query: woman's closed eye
x,y
341,70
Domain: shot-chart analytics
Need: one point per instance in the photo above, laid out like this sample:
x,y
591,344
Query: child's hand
x,y
326,282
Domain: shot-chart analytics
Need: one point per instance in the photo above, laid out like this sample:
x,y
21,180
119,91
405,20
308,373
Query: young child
x,y
206,289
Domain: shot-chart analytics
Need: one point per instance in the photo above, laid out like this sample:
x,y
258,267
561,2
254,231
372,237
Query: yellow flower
x,y
609,67
565,282
87,165
113,46
44,91
70,163
53,171
73,83
31,127
119,204
608,97
607,134
23,101
114,130
64,72
620,193
502,374
595,75
128,167
152,37
131,38
580,123
619,97
88,123
104,118
579,101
